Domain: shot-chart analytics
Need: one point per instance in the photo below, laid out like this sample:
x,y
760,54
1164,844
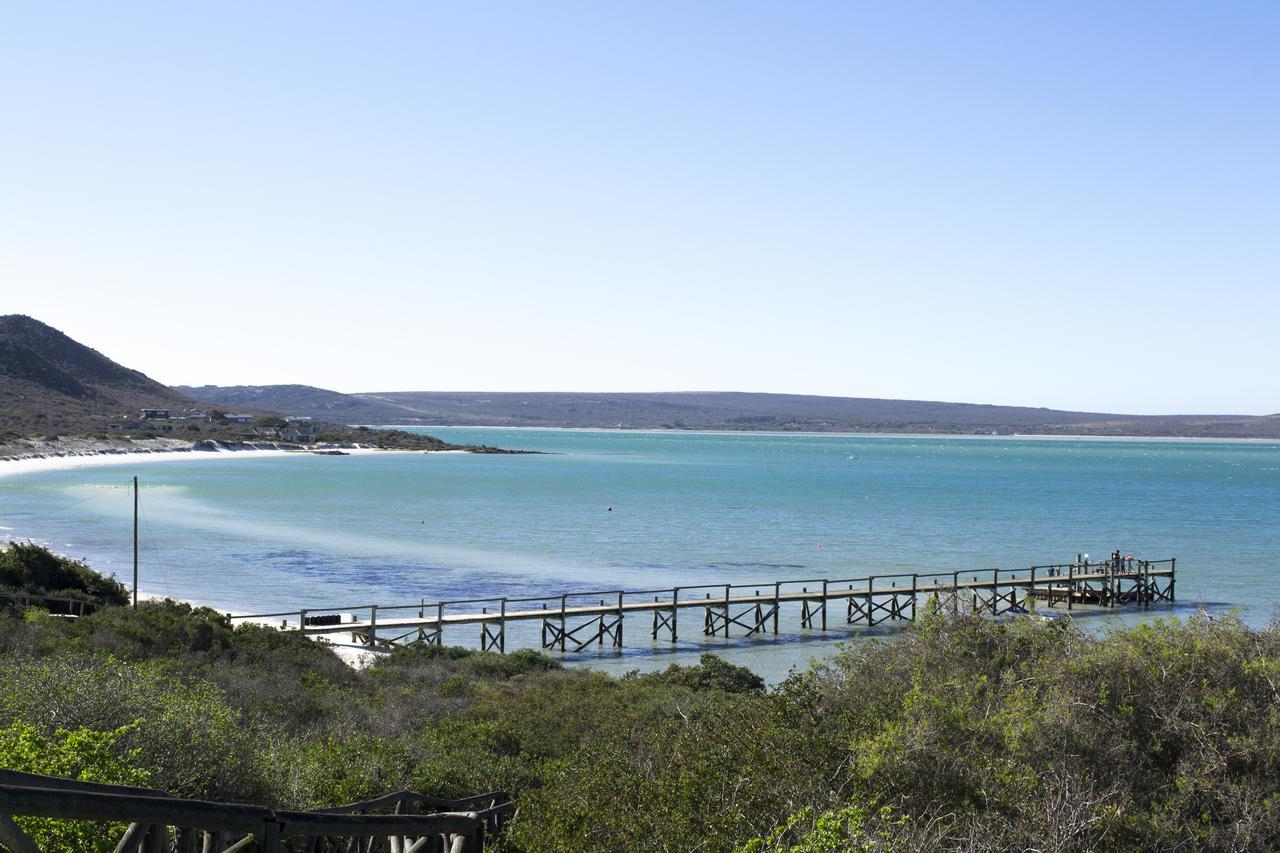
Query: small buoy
x,y
610,509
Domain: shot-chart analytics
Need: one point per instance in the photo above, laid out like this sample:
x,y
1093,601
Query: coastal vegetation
x,y
960,733
34,570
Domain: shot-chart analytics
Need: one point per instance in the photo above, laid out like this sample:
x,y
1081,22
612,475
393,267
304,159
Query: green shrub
x,y
710,673
27,567
185,735
82,754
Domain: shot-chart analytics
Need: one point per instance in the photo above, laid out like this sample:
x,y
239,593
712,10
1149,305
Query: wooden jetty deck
x,y
576,620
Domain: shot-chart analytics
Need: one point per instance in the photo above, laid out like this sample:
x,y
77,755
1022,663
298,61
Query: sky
x,y
1063,204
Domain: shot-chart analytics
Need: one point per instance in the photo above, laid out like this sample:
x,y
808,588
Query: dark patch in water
x,y
737,565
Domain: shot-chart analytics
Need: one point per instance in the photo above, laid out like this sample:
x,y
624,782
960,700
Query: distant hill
x,y
49,382
721,411
51,387
299,400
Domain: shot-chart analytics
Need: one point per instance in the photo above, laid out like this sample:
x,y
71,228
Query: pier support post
x,y
915,583
726,611
777,603
1071,584
675,611
871,585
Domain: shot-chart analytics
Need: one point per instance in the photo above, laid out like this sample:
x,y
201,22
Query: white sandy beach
x,y
37,464
31,464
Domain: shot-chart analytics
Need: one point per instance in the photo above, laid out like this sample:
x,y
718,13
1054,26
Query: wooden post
x,y
824,604
373,625
915,578
1030,595
12,836
871,584
995,591
135,543
302,622
270,842
618,639
1173,570
675,609
777,603
955,593
726,611
563,603
1071,584
1108,580
186,840
439,623
502,628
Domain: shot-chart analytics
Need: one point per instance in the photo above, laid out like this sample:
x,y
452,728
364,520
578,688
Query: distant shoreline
x,y
781,433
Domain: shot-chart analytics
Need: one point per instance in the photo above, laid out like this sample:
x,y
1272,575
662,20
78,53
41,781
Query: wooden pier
x,y
577,620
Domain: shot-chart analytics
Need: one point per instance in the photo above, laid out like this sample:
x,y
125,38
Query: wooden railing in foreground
x,y
157,822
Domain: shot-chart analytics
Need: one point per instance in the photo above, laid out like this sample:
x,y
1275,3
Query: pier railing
x,y
157,822
573,621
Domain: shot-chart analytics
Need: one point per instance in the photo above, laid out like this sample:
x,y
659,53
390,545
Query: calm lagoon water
x,y
270,534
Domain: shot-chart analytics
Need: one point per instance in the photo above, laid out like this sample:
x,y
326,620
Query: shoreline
x,y
101,454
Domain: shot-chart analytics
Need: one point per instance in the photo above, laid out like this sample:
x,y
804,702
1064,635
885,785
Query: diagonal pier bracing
x,y
574,621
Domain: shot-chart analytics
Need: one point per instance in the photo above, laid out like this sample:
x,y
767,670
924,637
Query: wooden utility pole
x,y
135,542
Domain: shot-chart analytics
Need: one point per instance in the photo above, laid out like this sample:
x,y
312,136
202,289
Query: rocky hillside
x,y
50,383
55,393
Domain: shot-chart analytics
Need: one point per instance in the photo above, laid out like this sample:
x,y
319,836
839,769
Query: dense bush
x,y
31,568
83,754
959,734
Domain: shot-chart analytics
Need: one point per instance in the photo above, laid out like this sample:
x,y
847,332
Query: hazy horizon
x,y
1071,206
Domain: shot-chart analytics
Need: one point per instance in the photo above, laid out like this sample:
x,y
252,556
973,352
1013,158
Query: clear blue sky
x,y
1064,204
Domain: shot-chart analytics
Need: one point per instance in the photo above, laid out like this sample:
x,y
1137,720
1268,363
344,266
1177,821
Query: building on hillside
x,y
156,414
300,432
240,419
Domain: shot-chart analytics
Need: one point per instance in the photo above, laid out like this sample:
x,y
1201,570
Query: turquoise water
x,y
283,533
